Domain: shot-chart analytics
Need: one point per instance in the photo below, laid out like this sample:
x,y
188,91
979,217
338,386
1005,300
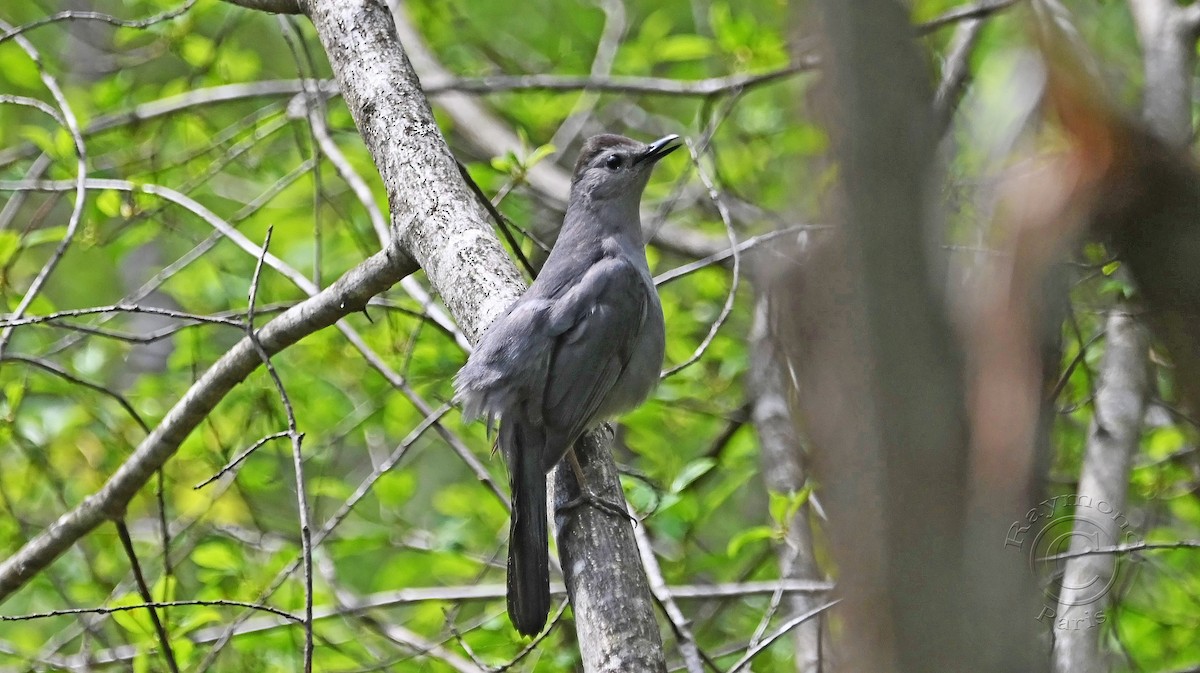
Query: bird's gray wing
x,y
599,322
508,364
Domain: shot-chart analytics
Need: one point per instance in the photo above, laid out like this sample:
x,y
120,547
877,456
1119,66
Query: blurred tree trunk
x,y
882,384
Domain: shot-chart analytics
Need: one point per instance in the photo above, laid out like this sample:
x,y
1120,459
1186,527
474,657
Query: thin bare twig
x,y
119,308
347,295
737,267
694,658
778,633
229,630
237,460
26,101
297,438
282,614
76,15
747,244
978,10
72,126
236,237
48,366
615,25
1123,549
360,189
144,589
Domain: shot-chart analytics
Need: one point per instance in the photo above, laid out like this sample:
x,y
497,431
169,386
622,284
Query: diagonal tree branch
x,y
349,294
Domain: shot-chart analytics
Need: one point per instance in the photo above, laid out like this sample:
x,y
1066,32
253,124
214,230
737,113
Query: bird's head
x,y
614,167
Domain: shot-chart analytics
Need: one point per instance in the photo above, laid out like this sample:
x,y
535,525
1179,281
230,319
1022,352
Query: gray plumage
x,y
584,343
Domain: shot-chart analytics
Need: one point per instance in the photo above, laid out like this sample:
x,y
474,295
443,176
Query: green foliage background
x,y
693,461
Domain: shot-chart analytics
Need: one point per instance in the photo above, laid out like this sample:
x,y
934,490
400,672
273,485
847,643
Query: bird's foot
x,y
606,506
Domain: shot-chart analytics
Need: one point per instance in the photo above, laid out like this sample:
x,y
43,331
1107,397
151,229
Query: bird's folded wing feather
x,y
599,322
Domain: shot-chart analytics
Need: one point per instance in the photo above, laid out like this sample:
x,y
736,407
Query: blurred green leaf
x,y
693,471
683,48
748,536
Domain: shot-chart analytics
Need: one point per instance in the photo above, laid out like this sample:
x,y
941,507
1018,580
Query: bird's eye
x,y
613,162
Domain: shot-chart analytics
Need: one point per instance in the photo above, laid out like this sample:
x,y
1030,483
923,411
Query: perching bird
x,y
584,343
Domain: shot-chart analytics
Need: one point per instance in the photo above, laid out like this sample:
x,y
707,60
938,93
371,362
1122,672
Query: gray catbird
x,y
585,342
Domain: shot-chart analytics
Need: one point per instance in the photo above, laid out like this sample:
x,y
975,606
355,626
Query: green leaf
x,y
163,590
14,392
42,137
783,506
197,50
506,163
1110,268
10,243
18,69
395,488
215,555
64,145
197,617
1162,442
683,48
43,236
109,202
654,27
748,536
183,649
329,487
135,622
691,472
539,153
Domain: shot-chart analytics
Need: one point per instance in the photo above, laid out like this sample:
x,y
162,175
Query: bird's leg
x,y
586,497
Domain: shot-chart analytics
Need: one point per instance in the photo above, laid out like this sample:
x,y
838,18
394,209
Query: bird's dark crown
x,y
599,144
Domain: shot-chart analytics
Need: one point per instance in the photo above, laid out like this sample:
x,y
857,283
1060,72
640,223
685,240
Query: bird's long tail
x,y
528,547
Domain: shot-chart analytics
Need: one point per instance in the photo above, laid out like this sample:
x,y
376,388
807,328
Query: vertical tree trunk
x,y
436,219
1099,519
785,471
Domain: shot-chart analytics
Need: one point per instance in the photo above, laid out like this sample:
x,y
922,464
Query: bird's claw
x,y
587,498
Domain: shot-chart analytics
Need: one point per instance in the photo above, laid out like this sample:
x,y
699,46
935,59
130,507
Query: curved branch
x,y
272,6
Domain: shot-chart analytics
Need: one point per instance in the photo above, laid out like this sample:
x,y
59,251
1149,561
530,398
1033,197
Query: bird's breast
x,y
640,376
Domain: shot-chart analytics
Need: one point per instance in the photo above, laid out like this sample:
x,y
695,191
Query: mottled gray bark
x,y
610,596
435,217
1099,519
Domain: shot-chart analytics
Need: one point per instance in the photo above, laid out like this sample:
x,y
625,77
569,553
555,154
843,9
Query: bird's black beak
x,y
659,149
